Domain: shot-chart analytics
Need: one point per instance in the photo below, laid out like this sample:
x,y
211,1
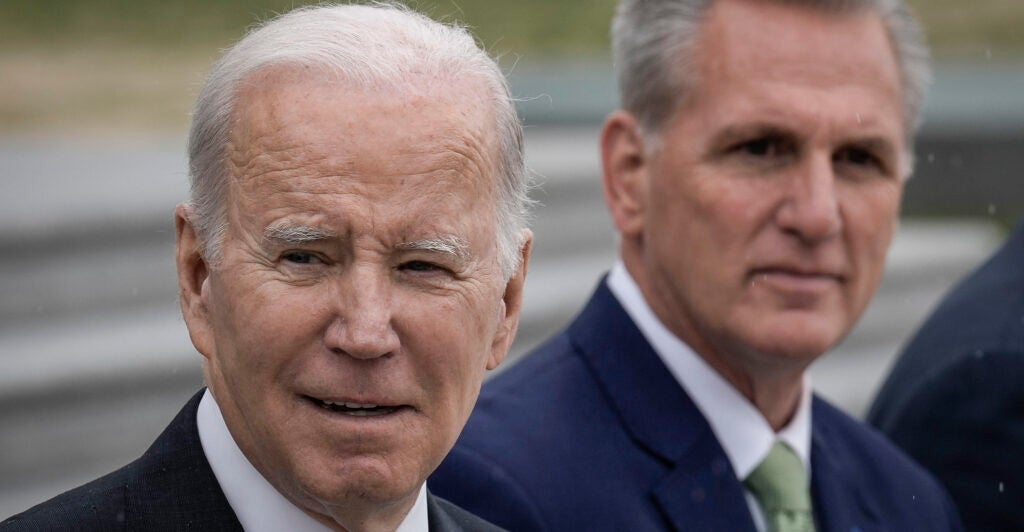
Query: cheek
x,y
261,327
871,218
449,343
713,200
714,226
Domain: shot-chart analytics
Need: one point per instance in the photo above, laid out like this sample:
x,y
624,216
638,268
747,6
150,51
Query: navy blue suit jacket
x,y
591,432
172,487
955,398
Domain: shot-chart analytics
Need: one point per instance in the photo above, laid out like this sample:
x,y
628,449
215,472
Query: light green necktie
x,y
780,484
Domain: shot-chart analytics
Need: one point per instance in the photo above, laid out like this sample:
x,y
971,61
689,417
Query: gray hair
x,y
651,38
371,46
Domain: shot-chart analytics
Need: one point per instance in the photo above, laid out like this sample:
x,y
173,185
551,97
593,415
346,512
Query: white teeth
x,y
348,405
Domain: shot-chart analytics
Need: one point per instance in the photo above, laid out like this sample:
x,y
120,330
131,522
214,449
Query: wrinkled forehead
x,y
310,152
345,121
745,43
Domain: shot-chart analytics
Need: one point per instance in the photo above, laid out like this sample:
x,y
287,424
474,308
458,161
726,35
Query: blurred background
x,y
94,104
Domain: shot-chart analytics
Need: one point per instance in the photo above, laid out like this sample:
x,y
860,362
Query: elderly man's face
x,y
359,300
763,220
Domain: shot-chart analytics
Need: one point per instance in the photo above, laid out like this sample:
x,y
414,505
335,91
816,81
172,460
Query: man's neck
x,y
742,429
774,389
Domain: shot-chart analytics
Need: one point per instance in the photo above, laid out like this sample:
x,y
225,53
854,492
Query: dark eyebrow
x,y
736,133
741,132
757,129
879,145
296,234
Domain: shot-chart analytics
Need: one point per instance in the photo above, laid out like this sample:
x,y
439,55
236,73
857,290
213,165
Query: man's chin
x,y
357,498
359,481
797,343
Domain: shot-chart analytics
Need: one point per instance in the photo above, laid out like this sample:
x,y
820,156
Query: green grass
x,y
119,65
135,64
524,25
973,29
955,27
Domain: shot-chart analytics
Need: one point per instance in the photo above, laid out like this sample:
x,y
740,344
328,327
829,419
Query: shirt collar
x,y
743,432
256,503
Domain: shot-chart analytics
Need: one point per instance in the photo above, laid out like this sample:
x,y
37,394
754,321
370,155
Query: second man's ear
x,y
625,166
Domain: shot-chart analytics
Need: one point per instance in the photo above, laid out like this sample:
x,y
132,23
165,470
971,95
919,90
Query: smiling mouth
x,y
354,409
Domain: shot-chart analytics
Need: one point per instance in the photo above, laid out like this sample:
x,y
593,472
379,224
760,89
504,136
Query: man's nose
x,y
362,306
810,209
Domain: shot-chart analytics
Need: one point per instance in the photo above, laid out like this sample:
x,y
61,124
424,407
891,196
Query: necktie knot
x,y
780,485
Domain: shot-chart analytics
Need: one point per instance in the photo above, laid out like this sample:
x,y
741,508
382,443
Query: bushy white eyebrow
x,y
296,234
448,244
302,234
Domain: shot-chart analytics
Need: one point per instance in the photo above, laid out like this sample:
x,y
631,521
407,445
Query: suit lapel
x,y
443,516
438,519
174,487
699,490
841,499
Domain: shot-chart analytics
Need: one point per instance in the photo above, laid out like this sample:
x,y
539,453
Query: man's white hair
x,y
381,44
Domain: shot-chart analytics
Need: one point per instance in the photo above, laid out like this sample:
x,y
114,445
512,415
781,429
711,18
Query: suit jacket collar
x,y
661,418
444,516
842,499
175,487
437,517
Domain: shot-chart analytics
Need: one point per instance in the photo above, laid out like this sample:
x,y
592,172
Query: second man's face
x,y
773,197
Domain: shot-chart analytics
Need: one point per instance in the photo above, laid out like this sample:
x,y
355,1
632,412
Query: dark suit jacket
x,y
955,398
171,487
591,432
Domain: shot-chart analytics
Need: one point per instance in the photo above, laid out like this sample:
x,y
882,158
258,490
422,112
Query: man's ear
x,y
193,280
511,305
626,168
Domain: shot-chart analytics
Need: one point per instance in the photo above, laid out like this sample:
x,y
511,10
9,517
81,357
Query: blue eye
x,y
299,257
419,266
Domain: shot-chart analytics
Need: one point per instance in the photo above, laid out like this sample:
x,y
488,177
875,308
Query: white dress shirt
x,y
258,506
743,432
